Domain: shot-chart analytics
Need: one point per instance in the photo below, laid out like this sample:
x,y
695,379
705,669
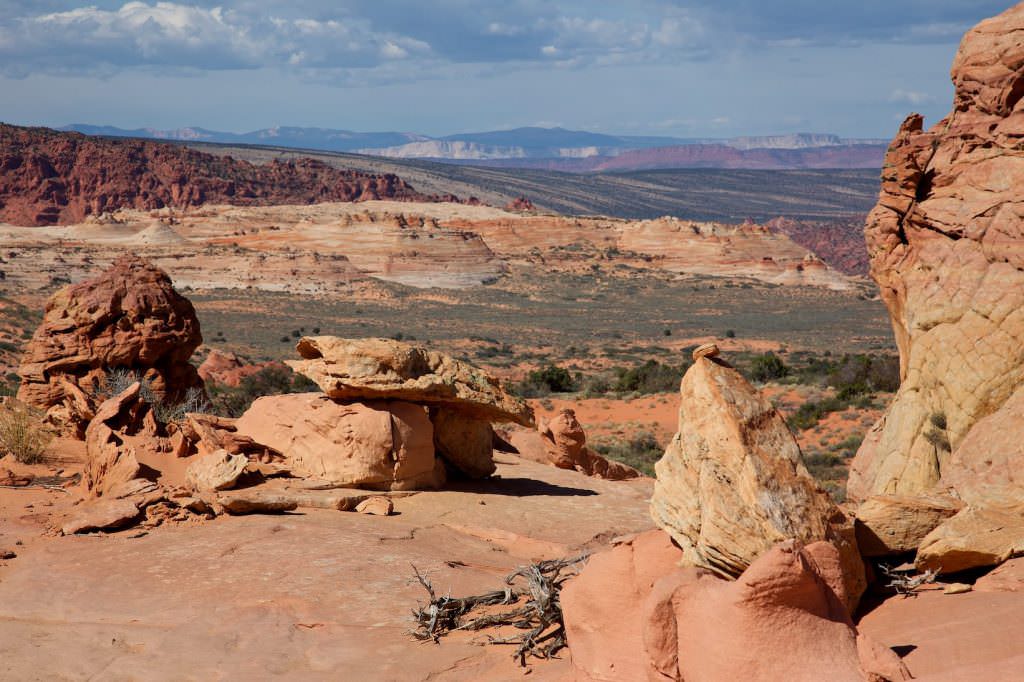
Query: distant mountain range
x,y
550,148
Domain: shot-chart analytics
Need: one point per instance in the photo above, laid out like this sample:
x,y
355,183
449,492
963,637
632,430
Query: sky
x,y
687,68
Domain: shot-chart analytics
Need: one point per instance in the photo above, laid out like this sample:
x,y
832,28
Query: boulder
x,y
376,506
378,445
256,501
217,470
110,461
633,614
101,515
894,524
780,620
565,444
603,606
206,433
465,443
361,369
946,242
128,317
976,537
732,482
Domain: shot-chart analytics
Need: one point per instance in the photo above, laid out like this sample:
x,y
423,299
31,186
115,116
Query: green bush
x,y
768,367
641,452
545,381
650,377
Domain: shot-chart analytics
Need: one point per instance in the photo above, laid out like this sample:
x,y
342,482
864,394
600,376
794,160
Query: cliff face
x,y
946,243
49,177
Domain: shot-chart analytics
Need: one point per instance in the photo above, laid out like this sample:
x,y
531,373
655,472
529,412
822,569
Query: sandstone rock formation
x,y
603,607
629,615
110,460
367,369
227,368
49,177
130,318
946,242
565,443
732,482
217,470
465,443
381,445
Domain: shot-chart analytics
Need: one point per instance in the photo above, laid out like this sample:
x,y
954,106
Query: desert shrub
x,y
650,377
545,381
938,420
119,379
233,401
811,412
22,433
848,446
640,451
9,385
767,367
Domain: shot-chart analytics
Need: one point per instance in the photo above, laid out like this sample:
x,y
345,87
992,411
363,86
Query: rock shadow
x,y
519,487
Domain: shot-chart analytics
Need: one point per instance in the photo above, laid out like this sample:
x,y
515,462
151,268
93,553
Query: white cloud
x,y
167,34
911,97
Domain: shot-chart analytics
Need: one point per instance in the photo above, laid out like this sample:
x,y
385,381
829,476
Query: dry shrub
x,y
22,433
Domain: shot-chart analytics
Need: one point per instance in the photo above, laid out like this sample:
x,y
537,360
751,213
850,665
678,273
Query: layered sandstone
x,y
732,482
946,243
129,318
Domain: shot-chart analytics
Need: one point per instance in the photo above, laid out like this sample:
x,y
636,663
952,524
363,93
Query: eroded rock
x,y
565,443
367,369
128,317
732,482
217,470
380,445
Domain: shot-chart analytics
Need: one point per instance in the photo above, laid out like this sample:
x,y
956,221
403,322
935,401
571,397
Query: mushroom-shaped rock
x,y
367,369
732,482
128,317
378,445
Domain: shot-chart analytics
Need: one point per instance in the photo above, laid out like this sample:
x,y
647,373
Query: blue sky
x,y
704,68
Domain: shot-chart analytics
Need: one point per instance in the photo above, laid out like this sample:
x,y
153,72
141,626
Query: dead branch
x,y
540,615
908,584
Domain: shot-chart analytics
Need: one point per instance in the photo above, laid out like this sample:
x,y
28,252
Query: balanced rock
x,y
367,369
379,445
565,443
128,317
732,482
